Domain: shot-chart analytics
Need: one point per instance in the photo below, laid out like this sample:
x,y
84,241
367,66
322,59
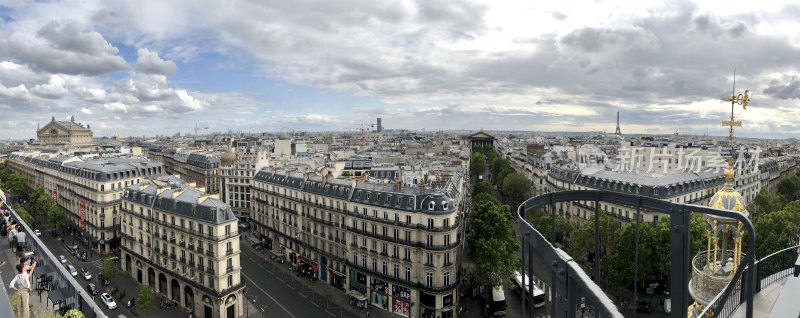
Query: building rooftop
x,y
169,195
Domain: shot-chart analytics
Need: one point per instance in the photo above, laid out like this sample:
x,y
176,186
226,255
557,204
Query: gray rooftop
x,y
180,199
98,169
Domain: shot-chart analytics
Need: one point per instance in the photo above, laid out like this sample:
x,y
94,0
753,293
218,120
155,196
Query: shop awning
x,y
358,296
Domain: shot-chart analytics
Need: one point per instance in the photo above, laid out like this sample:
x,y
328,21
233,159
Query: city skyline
x,y
320,66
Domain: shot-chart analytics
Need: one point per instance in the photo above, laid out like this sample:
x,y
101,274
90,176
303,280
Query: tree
x,y
543,222
73,313
777,230
789,187
517,188
765,202
477,166
24,215
346,174
109,269
494,243
16,184
482,187
581,241
144,297
617,265
483,197
56,217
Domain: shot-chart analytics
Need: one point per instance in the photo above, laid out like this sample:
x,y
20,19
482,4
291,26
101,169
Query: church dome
x,y
728,198
227,158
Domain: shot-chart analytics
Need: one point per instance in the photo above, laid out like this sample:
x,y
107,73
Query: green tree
x,y
346,174
543,222
16,184
109,269
765,202
144,297
495,245
789,187
517,189
617,265
73,313
483,197
581,241
482,187
777,230
477,166
56,217
24,215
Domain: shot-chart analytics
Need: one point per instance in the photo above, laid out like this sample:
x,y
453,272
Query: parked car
x,y
86,274
63,259
92,289
106,298
37,232
72,270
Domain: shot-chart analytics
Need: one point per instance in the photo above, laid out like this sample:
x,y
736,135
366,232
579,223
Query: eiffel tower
x,y
618,132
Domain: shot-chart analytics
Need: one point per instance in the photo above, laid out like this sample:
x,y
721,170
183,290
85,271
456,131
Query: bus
x,y
538,294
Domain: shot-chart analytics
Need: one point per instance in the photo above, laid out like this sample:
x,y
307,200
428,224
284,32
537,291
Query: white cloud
x,y
86,111
54,89
19,92
149,63
189,102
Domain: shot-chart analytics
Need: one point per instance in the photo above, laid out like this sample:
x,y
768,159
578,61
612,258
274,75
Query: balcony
x,y
229,269
172,256
210,253
182,259
210,270
228,252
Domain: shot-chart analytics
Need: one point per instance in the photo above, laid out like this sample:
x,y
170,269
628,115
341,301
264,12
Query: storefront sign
x,y
400,307
83,219
379,285
401,292
447,301
55,195
362,279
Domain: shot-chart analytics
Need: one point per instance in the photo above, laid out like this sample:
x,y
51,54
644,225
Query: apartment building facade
x,y
236,171
200,166
89,190
184,244
393,246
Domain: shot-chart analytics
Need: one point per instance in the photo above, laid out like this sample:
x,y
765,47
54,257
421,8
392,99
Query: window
x,y
355,258
364,261
429,239
406,254
447,239
447,258
230,280
374,264
396,271
430,223
446,279
408,273
431,205
429,279
408,219
385,268
429,258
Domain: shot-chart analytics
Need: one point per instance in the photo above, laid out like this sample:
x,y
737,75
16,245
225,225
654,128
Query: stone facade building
x,y
89,190
65,133
393,246
184,244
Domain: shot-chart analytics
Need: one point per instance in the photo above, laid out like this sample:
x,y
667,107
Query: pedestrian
x,y
22,284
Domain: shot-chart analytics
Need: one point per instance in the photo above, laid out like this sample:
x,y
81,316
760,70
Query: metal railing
x,y
570,283
49,269
768,270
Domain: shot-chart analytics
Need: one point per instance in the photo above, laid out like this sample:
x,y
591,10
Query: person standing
x,y
21,238
22,284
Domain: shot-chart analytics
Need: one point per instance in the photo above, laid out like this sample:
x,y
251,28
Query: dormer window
x,y
444,205
431,205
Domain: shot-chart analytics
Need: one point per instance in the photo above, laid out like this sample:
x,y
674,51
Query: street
x,y
283,293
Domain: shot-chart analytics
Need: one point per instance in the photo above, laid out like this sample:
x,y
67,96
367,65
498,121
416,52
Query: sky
x,y
141,68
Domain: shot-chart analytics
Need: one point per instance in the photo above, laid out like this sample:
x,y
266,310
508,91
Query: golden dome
x,y
728,198
227,158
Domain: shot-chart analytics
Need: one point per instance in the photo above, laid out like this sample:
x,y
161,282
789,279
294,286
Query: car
x,y
63,259
72,270
37,232
106,298
86,274
92,289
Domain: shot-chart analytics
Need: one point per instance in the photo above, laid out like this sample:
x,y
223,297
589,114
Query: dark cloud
x,y
790,90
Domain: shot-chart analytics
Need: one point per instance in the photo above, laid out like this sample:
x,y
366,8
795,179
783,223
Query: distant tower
x,y
379,127
618,132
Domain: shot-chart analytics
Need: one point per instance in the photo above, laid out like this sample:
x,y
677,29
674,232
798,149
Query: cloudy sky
x,y
159,67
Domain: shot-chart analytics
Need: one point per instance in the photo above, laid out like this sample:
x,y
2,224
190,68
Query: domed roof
x,y
227,158
728,198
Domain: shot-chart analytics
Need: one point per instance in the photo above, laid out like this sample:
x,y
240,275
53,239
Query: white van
x,y
498,304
